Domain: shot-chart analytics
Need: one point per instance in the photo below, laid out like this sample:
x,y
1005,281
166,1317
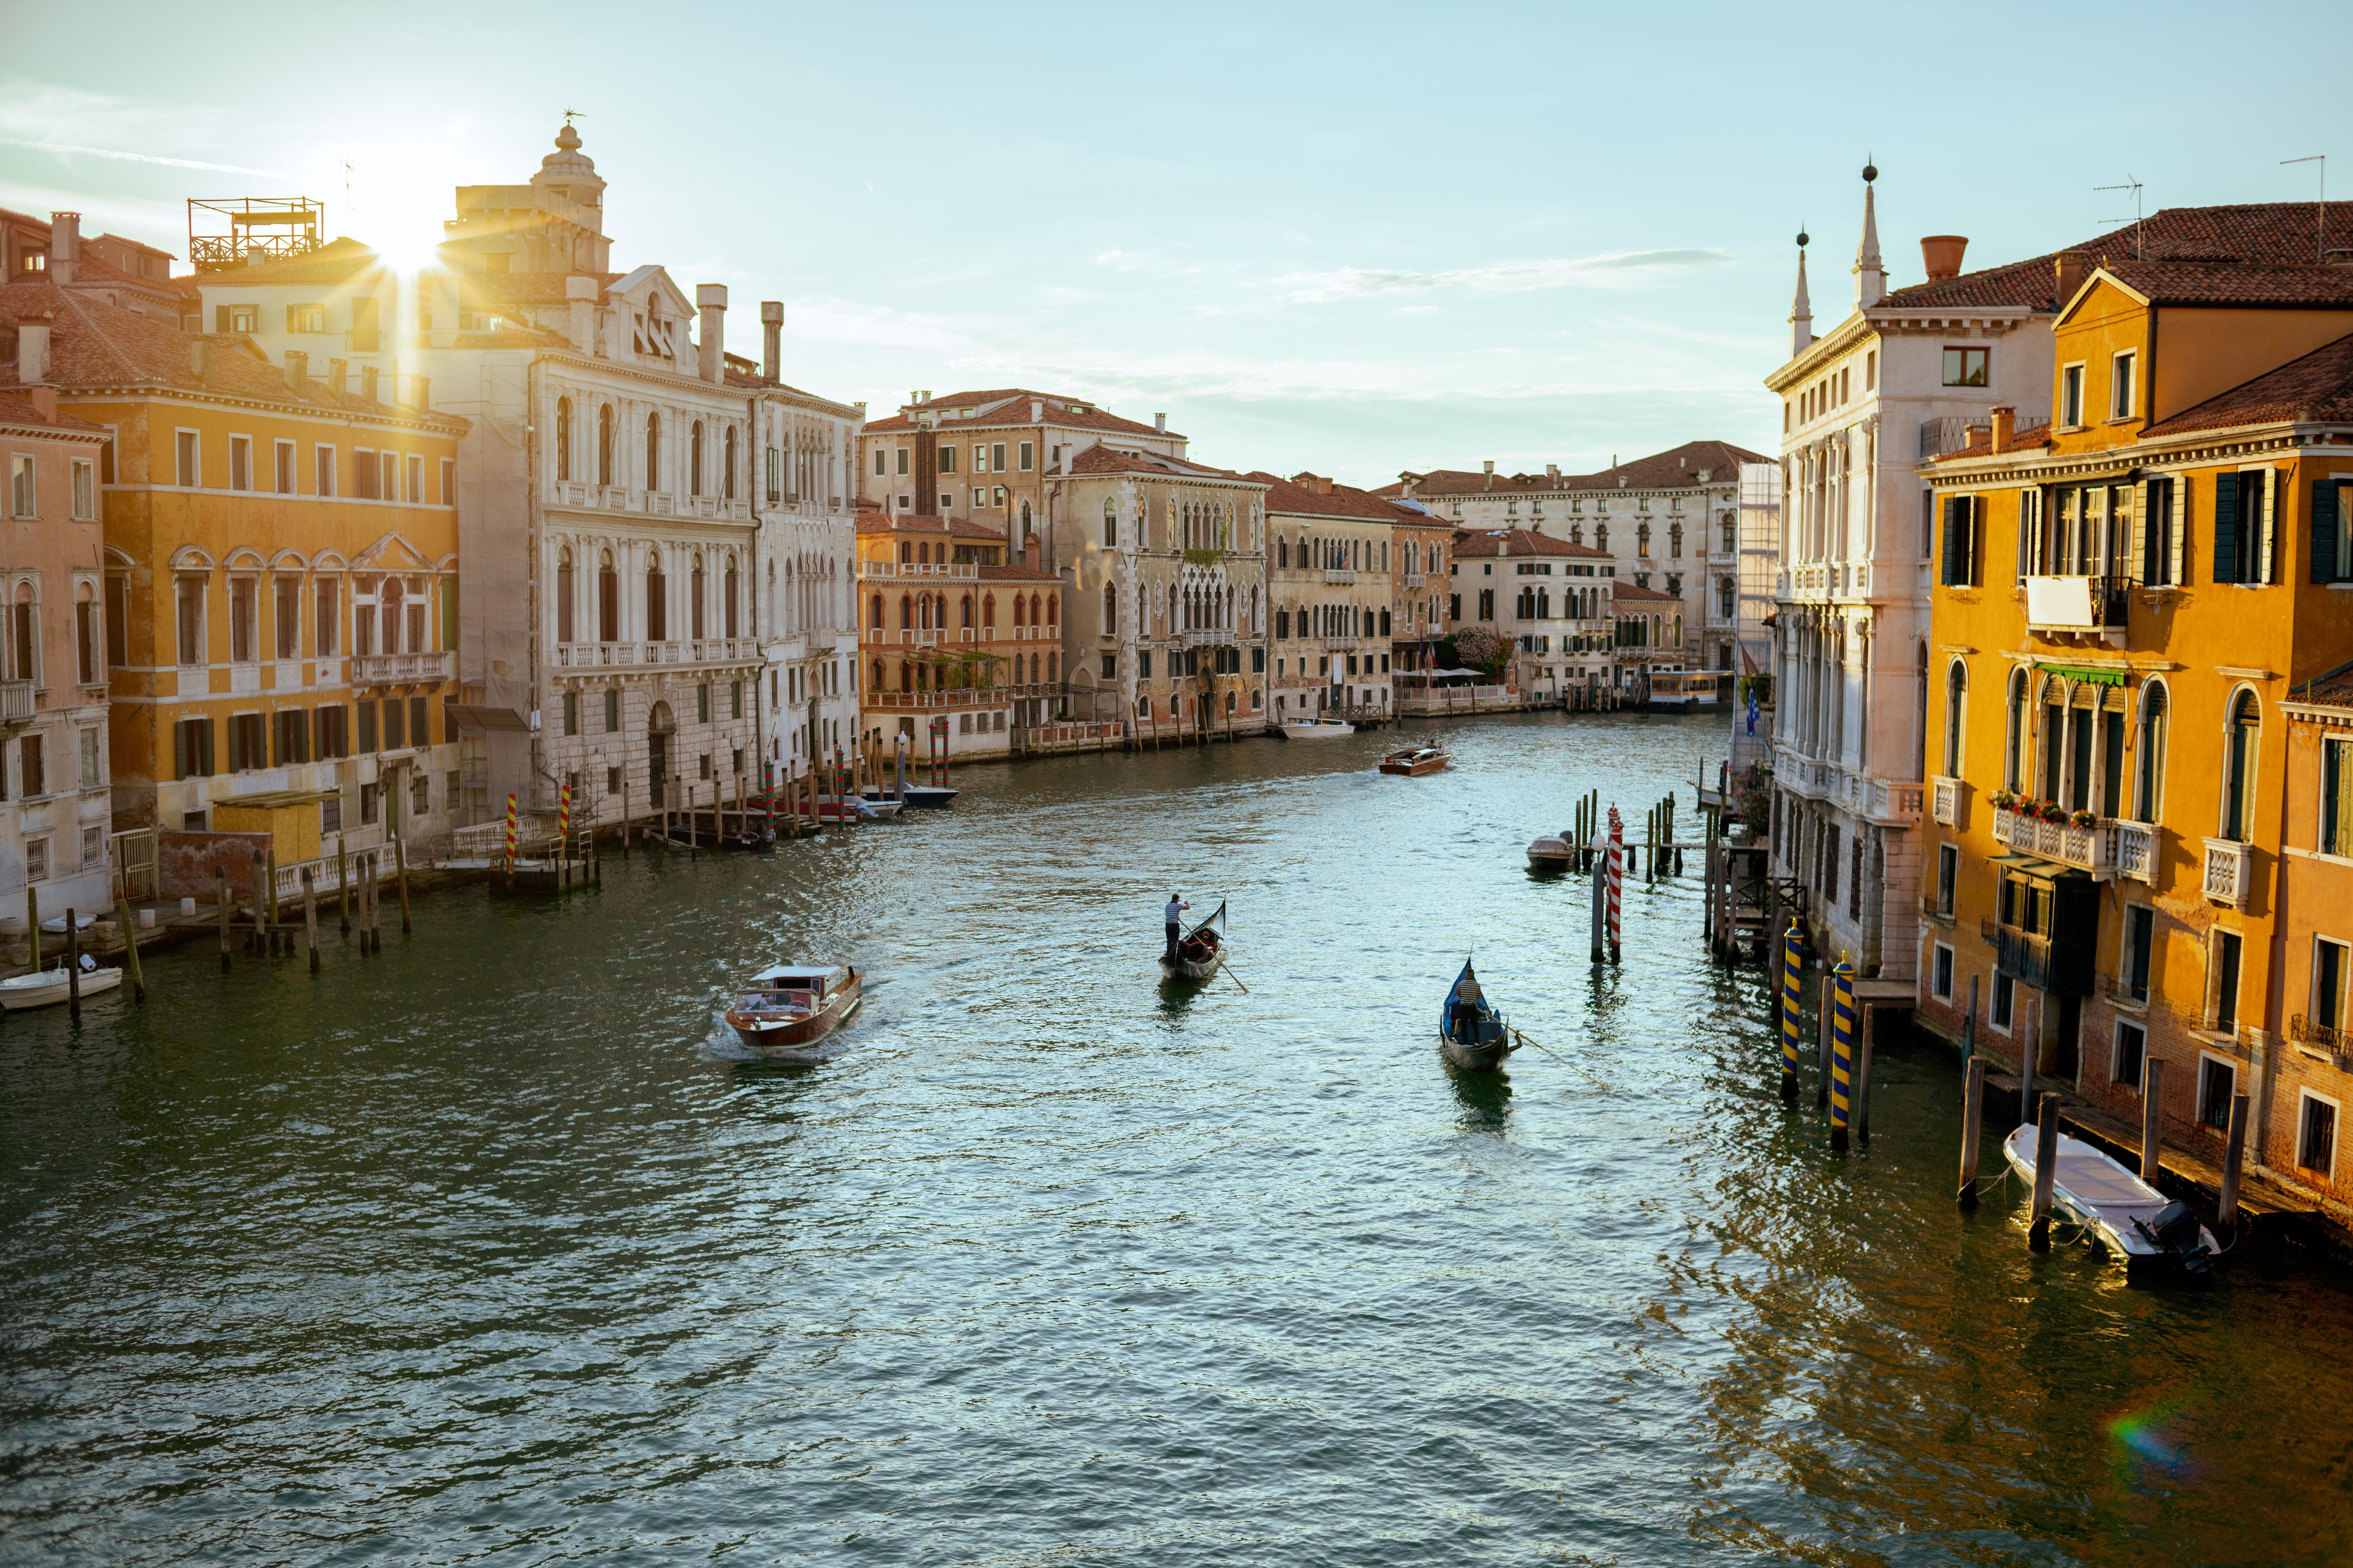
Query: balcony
x,y
2230,872
914,571
611,655
1952,801
2090,609
2026,958
1416,579
1341,644
1209,637
2321,1036
402,669
2092,848
16,701
1807,777
2135,850
1338,576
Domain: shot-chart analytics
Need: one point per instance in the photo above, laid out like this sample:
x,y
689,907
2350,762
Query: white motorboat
x,y
56,924
873,810
1315,729
2140,1226
47,987
1551,853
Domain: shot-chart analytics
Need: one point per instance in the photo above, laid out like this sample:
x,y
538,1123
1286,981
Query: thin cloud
x,y
72,150
1612,269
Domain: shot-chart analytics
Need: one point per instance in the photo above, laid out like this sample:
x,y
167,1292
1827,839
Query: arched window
x,y
2013,750
988,613
1110,610
1021,605
906,676
694,461
1144,707
2239,768
2148,783
1281,550
728,609
1034,680
1956,697
1111,525
1034,619
876,684
608,599
1600,536
1642,539
694,597
2054,734
389,616
1675,541
653,451
657,600
728,487
875,620
564,595
906,612
967,622
1053,609
605,445
564,438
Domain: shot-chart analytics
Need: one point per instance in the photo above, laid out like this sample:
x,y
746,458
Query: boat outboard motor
x,y
2176,1230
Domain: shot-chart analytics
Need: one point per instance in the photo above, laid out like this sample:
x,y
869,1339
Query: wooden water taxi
x,y
2137,1224
1415,761
791,1006
1198,951
1470,1033
48,987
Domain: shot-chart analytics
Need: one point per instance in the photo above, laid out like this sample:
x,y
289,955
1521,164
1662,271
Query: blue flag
x,y
1752,710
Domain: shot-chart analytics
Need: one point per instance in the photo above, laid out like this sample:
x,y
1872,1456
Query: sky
x,y
1351,240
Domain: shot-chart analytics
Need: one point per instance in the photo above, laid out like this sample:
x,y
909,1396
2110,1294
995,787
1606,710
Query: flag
x,y
1752,710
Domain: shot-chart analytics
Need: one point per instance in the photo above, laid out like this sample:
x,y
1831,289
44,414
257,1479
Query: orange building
x,y
2314,1087
280,581
952,630
2123,601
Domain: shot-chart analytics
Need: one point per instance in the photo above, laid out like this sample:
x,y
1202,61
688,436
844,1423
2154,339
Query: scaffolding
x,y
242,231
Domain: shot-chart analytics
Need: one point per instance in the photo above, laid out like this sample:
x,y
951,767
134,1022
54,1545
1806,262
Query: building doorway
x,y
659,726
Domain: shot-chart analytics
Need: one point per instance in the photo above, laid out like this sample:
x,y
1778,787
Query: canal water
x,y
491,1250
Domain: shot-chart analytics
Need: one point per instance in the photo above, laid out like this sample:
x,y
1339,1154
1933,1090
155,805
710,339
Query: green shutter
x,y
2226,527
2324,531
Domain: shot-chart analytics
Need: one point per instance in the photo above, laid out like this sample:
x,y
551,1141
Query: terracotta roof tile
x,y
1675,469
2235,283
1981,443
1017,572
337,261
1100,459
1010,405
16,408
1286,496
1474,543
1635,593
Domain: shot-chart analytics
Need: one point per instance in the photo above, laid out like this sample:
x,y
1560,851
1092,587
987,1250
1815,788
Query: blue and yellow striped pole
x,y
1841,1051
1791,941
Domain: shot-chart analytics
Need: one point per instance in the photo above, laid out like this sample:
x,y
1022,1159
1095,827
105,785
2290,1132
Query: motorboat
x,y
2139,1225
1315,729
56,924
47,987
1552,852
870,809
1198,951
928,795
791,1006
1471,1034
1415,761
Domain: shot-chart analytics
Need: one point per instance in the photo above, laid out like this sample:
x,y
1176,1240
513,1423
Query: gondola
x,y
1198,951
1476,1044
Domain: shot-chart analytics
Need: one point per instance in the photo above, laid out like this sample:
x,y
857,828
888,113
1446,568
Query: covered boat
x,y
47,987
1551,853
2139,1224
791,1006
928,795
1315,729
1200,950
1471,1033
1415,761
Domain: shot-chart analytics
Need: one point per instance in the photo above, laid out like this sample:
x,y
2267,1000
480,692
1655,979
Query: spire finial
x,y
1870,275
1801,309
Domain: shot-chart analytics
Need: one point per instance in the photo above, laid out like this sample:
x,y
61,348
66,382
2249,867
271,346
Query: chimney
x,y
580,297
1552,473
1037,412
2002,422
1942,254
710,339
45,403
1491,476
1029,553
65,246
32,353
337,372
367,383
1160,423
200,360
771,340
420,393
298,369
2069,267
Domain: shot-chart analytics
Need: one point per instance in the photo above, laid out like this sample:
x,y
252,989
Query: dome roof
x,y
567,165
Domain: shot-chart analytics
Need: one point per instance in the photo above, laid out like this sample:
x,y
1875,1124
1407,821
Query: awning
x,y
469,716
2078,672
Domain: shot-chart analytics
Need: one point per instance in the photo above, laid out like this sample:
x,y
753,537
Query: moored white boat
x,y
1315,729
1551,853
878,810
49,987
2137,1224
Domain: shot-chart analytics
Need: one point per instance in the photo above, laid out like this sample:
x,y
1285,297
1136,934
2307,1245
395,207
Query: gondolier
x,y
1174,917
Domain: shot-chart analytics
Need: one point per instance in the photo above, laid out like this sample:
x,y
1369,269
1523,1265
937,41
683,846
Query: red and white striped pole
x,y
1616,870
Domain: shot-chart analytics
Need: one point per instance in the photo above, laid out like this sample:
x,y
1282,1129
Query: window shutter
x,y
2178,566
2259,517
2324,531
180,750
1952,539
2142,566
2226,527
1973,568
220,319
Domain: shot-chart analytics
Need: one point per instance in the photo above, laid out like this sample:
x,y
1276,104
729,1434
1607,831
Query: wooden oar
x,y
1227,970
1591,1077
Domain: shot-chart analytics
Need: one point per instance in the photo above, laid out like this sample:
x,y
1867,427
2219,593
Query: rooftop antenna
x,y
2134,186
2321,159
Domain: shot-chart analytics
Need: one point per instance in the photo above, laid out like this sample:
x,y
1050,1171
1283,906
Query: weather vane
x,y
572,114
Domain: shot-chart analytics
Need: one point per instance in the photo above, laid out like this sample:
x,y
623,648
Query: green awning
x,y
2076,672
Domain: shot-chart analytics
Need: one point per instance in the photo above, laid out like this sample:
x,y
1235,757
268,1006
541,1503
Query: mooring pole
x,y
220,907
73,968
1969,1025
131,948
1972,1129
2226,1211
2152,1116
1789,1016
1842,1054
2046,1173
310,916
